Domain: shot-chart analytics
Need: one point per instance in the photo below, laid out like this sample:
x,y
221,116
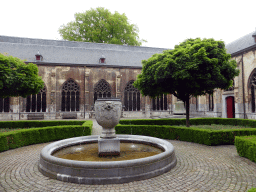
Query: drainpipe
x,y
243,85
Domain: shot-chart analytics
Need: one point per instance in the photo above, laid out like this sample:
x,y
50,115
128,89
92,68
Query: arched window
x,y
70,96
160,103
4,104
253,85
211,104
197,103
37,103
131,97
102,89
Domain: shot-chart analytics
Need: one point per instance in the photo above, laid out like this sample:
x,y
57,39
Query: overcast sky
x,y
163,23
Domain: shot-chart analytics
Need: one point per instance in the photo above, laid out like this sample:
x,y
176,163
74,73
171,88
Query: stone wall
x,y
87,77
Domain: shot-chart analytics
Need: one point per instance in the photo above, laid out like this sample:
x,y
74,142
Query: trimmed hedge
x,y
252,190
24,137
193,121
246,147
36,123
166,129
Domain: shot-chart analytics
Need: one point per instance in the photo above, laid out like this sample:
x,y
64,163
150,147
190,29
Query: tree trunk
x,y
187,112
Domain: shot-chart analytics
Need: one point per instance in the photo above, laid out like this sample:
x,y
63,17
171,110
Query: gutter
x,y
82,65
243,50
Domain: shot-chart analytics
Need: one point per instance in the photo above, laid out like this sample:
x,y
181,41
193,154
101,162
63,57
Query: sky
x,y
163,23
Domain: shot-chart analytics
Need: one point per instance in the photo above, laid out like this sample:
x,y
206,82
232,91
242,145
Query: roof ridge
x,y
64,43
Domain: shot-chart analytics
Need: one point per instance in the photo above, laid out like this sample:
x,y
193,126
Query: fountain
x,y
106,165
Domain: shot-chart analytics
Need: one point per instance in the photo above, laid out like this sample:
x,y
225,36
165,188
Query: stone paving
x,y
199,168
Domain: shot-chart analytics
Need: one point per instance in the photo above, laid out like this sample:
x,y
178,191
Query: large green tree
x,y
18,78
193,68
101,26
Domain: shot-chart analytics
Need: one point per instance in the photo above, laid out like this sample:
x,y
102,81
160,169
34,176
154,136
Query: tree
x,y
18,78
193,68
101,26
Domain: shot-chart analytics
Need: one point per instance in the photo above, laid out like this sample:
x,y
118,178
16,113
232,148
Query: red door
x,y
230,107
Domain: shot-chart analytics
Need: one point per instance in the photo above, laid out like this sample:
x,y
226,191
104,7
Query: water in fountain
x,y
89,152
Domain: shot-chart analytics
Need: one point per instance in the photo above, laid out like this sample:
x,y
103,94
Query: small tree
x,y
18,78
195,67
101,26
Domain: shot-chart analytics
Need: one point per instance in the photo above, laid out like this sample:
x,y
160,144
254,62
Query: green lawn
x,y
2,130
218,127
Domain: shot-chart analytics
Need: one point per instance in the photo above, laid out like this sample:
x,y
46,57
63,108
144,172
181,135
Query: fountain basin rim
x,y
47,151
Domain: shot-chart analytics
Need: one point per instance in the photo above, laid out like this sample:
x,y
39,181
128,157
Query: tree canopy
x,y
101,26
193,68
18,78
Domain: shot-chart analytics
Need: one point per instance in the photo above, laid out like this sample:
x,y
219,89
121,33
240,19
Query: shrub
x,y
23,137
36,123
252,190
193,121
246,146
191,134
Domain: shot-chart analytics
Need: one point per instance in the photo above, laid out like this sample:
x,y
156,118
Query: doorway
x,y
230,105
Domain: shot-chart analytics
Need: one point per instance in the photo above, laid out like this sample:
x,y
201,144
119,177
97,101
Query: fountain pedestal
x,y
108,113
108,147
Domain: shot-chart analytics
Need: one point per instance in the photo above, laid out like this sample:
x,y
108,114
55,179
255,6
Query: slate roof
x,y
85,53
71,52
241,44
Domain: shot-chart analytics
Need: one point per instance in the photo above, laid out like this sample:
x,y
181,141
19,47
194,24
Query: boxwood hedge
x,y
23,137
166,129
246,146
36,123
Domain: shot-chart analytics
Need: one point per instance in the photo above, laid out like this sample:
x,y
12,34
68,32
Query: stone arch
x,y
37,103
102,89
131,97
251,85
211,102
4,104
70,96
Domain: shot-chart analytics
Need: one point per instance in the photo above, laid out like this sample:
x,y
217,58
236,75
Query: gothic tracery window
x,y
4,104
102,90
197,103
253,85
70,96
211,104
37,103
131,97
160,103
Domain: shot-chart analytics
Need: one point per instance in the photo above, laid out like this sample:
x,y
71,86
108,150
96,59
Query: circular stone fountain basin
x,y
89,152
106,172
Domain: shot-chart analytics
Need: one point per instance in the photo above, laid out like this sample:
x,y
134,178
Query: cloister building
x,y
77,73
